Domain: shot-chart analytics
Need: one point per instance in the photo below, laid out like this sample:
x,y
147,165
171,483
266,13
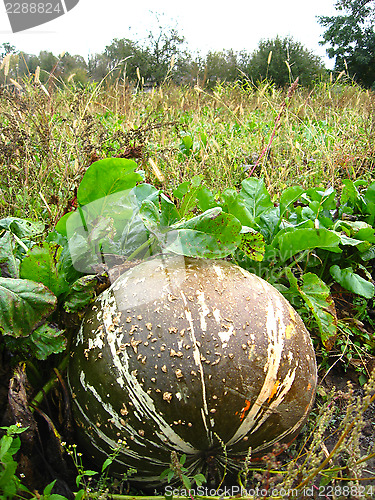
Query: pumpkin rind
x,y
187,354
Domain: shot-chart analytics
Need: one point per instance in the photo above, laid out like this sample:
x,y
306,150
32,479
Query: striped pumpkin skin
x,y
187,354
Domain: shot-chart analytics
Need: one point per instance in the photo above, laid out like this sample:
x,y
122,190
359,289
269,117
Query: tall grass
x,y
48,137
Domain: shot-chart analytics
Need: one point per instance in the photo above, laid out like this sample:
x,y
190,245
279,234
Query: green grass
x,y
46,141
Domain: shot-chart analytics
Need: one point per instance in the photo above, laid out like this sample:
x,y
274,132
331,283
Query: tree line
x,y
163,56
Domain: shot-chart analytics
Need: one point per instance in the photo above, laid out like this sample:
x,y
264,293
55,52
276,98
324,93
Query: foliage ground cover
x,y
105,171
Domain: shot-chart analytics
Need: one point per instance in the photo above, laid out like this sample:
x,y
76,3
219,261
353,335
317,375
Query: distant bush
x,y
282,60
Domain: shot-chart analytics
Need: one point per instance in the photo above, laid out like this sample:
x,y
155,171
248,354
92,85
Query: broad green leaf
x,y
252,244
255,196
169,214
288,197
22,228
352,281
106,177
66,267
299,239
42,264
5,444
369,254
150,215
9,264
369,203
181,190
81,293
234,204
24,304
46,340
317,297
213,234
61,224
206,199
349,194
189,200
326,199
146,191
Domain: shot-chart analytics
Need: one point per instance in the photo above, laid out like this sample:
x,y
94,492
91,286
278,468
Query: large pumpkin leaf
x,y
213,234
352,281
234,204
255,196
22,228
42,263
252,244
106,177
9,264
317,297
81,293
299,239
288,197
46,340
24,304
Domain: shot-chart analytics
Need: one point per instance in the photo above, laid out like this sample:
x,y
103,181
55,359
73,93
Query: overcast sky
x,y
236,24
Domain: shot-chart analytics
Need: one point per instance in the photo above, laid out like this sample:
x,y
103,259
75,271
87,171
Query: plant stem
x,y
144,245
48,386
335,448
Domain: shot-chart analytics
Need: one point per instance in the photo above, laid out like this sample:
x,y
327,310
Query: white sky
x,y
236,24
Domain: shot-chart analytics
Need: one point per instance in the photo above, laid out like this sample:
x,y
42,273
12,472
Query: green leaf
x,y
150,216
42,264
79,495
165,474
189,200
368,254
299,239
22,228
169,213
107,463
5,444
106,177
24,304
288,197
349,194
255,196
81,293
186,481
316,295
206,199
352,281
48,488
252,244
235,205
9,264
200,479
213,234
46,340
61,223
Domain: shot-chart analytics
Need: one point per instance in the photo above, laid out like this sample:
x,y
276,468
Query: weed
x,y
178,471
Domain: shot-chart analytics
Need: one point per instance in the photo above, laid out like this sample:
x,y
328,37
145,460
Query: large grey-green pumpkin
x,y
191,355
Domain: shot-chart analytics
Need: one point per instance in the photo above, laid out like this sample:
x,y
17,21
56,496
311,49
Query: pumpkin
x,y
193,356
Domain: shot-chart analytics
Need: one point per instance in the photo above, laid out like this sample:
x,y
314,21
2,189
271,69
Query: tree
x,y
352,38
282,60
126,56
166,56
221,66
7,48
